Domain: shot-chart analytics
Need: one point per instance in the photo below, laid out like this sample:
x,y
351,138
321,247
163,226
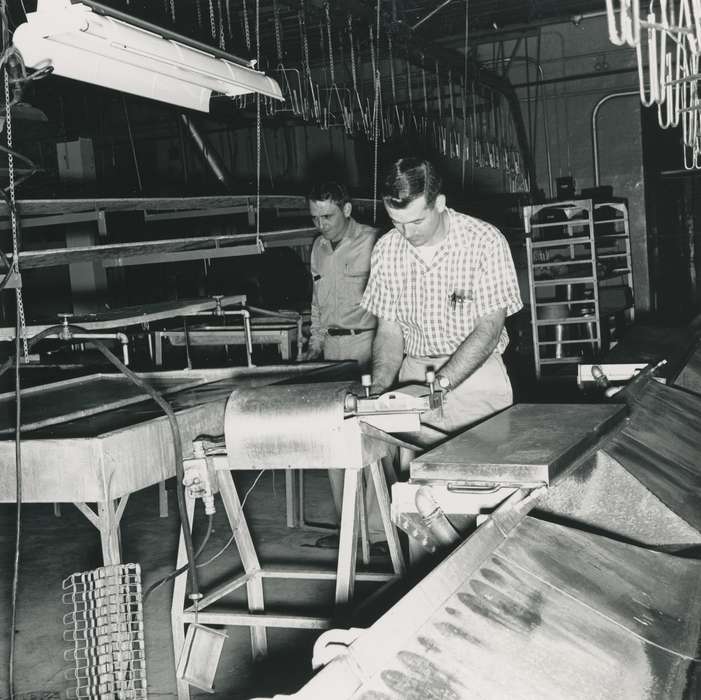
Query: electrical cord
x,y
18,499
184,567
177,572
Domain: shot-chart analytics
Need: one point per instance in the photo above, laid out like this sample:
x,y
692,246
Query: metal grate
x,y
106,630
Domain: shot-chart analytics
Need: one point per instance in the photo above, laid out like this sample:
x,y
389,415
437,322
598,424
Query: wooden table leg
x,y
109,532
106,520
363,521
162,500
383,502
291,484
249,558
158,342
178,604
348,539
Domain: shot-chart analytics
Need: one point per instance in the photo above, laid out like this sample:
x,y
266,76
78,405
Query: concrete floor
x,y
54,548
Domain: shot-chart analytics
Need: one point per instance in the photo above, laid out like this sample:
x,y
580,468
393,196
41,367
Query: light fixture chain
x,y
13,215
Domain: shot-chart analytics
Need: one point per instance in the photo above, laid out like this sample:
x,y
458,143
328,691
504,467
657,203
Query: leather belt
x,y
348,331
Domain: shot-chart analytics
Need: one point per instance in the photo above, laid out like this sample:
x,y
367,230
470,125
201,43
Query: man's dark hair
x,y
408,179
329,191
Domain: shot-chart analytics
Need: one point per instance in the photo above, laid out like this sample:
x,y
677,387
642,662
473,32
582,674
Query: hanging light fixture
x,y
90,42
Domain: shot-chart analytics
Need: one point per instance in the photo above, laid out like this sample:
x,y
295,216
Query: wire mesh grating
x,y
106,630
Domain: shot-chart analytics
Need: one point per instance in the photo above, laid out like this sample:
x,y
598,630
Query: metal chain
x,y
328,34
322,43
172,10
452,103
439,94
278,31
212,25
198,13
13,216
391,69
246,26
305,40
228,17
220,10
409,91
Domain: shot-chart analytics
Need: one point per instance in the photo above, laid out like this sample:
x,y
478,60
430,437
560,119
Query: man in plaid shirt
x,y
441,285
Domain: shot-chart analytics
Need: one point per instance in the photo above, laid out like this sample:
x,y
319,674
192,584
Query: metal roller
x,y
316,426
300,426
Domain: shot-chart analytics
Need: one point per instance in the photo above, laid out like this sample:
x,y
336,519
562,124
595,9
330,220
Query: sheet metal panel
x,y
548,613
525,444
116,452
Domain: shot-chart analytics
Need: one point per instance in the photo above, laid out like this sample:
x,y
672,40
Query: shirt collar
x,y
351,233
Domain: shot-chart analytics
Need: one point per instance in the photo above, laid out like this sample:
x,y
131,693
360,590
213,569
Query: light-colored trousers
x,y
358,348
350,347
485,392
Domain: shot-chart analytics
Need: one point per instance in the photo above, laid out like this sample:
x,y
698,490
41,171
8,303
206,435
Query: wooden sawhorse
x,y
218,467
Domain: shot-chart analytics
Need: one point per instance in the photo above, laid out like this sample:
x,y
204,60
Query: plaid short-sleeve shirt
x,y
438,305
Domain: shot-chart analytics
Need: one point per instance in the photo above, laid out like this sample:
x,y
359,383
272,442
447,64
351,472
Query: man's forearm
x,y
475,349
387,354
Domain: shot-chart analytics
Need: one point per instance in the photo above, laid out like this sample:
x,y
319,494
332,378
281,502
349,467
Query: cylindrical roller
x,y
294,426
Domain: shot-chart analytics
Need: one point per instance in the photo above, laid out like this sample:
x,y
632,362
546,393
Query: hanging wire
x,y
464,151
376,128
259,242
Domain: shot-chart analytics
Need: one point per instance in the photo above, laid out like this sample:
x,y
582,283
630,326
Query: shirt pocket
x,y
322,287
356,278
459,313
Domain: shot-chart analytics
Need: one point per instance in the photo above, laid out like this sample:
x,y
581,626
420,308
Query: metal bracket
x,y
14,279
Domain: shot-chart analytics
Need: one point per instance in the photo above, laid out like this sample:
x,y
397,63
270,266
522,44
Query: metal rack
x,y
615,268
563,283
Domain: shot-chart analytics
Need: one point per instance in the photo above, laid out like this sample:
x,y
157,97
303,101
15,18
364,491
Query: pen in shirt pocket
x,y
457,297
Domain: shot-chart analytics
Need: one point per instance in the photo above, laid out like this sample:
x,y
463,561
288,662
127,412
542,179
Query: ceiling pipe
x,y
594,126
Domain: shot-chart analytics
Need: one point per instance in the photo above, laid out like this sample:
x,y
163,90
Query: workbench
x,y
282,333
97,440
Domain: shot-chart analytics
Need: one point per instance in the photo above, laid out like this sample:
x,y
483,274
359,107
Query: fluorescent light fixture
x,y
97,45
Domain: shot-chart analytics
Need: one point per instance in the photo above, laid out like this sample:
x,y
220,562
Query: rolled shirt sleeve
x,y
498,283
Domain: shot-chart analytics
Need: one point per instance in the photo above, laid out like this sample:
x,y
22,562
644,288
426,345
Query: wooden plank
x,y
525,444
249,558
58,206
347,540
114,252
232,251
321,575
260,620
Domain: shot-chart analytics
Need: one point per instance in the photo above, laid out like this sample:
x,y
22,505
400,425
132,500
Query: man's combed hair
x,y
329,191
408,179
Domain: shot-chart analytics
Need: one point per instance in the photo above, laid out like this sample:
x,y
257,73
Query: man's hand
x,y
311,353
